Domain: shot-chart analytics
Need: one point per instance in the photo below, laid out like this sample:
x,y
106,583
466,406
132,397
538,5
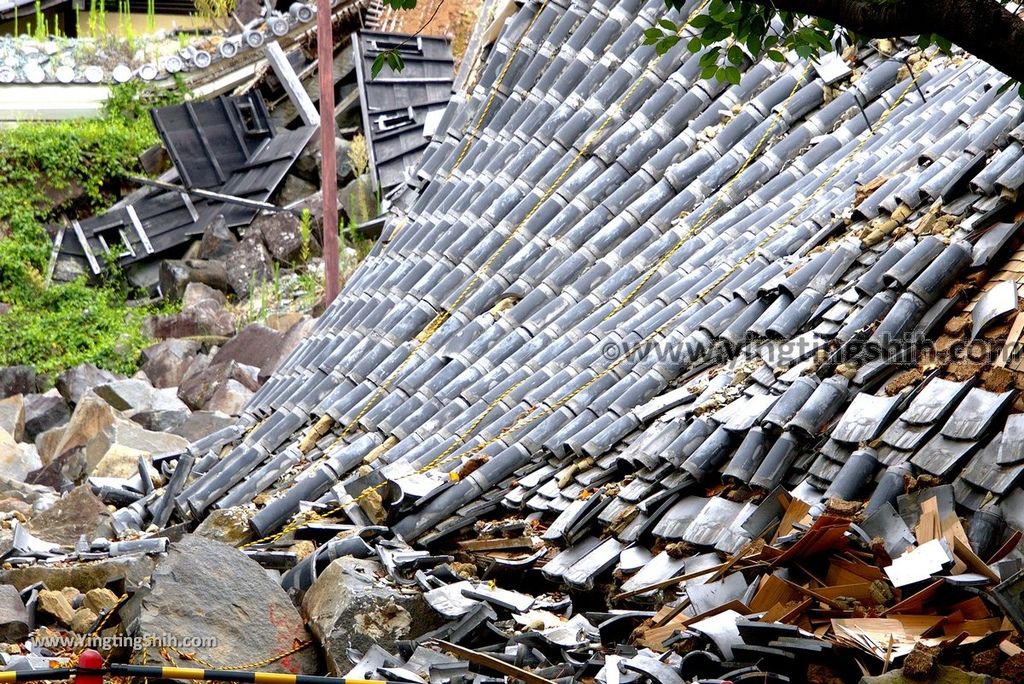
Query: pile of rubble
x,y
604,401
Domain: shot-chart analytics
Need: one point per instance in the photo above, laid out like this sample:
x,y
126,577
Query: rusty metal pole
x,y
328,175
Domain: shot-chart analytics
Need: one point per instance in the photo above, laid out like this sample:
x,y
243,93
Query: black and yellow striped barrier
x,y
190,673
35,675
199,674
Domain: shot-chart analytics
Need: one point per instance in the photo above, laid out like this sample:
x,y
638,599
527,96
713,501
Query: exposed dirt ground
x,y
453,19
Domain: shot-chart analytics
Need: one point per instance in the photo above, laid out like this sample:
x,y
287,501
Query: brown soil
x,y
453,19
997,379
904,379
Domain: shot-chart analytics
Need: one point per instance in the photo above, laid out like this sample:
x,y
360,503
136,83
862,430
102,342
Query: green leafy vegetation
x,y
53,171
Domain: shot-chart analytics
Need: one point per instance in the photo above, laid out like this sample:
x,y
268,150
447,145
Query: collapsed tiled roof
x,y
637,302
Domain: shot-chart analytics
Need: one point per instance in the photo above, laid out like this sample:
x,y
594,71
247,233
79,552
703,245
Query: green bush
x,y
49,171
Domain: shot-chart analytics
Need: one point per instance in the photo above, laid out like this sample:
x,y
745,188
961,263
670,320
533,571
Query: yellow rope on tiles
x,y
699,223
445,314
494,92
536,412
530,415
442,458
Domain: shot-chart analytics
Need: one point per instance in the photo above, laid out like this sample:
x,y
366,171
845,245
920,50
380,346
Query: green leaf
x,y
701,21
652,36
694,45
668,25
730,74
776,56
667,44
709,71
717,8
709,57
378,64
736,55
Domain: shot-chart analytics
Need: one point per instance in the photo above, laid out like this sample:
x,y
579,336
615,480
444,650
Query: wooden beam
x,y
291,83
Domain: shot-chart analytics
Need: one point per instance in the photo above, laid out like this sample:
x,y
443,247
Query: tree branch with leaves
x,y
985,28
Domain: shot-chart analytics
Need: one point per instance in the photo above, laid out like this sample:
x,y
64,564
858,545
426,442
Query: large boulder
x,y
254,345
196,321
14,618
249,614
165,363
75,382
282,233
44,412
228,525
343,160
17,380
262,346
17,460
358,199
247,10
78,512
63,472
37,497
230,397
350,606
12,416
248,265
177,274
202,423
161,421
138,395
218,240
133,570
295,334
197,389
91,416
197,294
120,461
294,189
125,433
